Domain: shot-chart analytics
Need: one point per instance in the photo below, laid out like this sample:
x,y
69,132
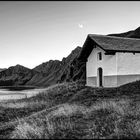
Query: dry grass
x,y
71,110
105,119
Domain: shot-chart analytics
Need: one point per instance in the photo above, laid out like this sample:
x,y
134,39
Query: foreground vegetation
x,y
71,110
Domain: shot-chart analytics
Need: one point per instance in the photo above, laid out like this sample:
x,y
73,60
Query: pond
x,y
18,92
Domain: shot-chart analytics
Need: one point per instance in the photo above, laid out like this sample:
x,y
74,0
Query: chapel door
x,y
100,77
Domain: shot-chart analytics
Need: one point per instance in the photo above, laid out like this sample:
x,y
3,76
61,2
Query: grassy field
x,y
72,110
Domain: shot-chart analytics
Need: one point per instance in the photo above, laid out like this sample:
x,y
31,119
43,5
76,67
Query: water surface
x,y
9,92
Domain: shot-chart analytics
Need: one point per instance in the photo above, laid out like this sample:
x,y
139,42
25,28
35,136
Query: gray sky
x,y
35,32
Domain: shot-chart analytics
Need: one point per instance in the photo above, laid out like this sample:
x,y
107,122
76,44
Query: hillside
x,y
48,67
2,69
72,110
45,74
48,73
15,75
55,71
130,34
72,69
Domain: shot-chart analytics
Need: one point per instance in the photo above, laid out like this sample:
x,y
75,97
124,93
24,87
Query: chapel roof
x,y
109,44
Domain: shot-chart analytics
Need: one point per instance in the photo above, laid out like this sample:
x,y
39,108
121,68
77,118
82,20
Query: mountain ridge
x,y
15,75
45,74
130,34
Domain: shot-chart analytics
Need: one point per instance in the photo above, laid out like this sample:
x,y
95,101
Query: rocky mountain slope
x,y
45,74
130,34
55,71
72,69
15,75
48,73
2,69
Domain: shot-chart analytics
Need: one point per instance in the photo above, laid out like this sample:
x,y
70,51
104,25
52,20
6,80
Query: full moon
x,y
80,25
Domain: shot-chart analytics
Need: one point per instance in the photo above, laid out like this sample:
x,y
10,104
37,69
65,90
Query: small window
x,y
99,56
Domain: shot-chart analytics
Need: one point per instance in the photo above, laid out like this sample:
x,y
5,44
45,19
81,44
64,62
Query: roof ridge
x,y
114,37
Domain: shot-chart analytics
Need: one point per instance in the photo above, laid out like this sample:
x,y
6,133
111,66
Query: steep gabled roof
x,y
109,44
